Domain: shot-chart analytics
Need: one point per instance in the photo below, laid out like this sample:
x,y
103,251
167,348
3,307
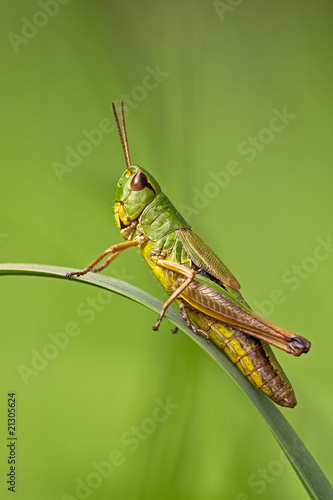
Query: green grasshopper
x,y
194,277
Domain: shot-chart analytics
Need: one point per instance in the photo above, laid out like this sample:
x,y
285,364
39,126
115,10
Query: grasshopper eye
x,y
139,181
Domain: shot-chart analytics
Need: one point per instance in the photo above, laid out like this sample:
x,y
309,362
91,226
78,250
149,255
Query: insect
x,y
194,277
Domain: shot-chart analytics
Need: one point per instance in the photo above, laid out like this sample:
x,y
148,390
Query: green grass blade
x,y
307,469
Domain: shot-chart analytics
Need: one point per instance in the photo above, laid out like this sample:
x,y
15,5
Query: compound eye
x,y
139,181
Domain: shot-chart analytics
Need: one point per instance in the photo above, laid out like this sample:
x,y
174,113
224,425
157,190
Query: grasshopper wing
x,y
213,300
204,258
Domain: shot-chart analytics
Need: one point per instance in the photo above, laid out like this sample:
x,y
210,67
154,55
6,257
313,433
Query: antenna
x,y
122,133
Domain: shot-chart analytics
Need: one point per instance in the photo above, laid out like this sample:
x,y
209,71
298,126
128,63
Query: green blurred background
x,y
220,71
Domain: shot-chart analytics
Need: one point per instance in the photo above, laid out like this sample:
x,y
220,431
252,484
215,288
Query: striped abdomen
x,y
254,358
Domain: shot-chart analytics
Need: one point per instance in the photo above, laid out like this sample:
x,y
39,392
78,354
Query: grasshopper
x,y
207,293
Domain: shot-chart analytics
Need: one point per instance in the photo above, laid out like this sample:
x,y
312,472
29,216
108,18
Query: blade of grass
x,y
305,466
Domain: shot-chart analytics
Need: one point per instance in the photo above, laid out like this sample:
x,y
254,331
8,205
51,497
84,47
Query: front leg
x,y
114,249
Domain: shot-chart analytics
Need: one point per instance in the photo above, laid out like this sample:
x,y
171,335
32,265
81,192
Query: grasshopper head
x,y
136,188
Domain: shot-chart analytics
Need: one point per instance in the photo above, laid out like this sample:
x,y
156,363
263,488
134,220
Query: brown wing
x,y
216,305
